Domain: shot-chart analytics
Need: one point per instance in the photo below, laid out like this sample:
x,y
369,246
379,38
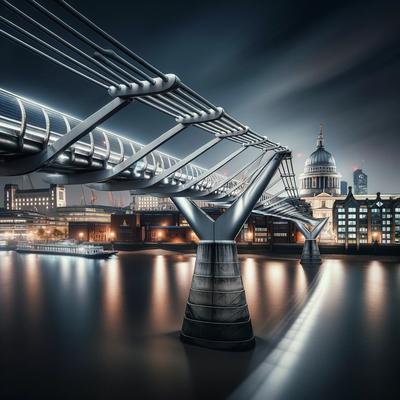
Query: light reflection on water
x,y
138,299
375,292
33,287
112,296
6,285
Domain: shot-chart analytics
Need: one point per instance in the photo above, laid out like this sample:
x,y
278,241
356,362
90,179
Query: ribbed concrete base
x,y
311,254
216,313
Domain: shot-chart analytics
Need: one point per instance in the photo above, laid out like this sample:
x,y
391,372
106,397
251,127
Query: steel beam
x,y
107,174
26,164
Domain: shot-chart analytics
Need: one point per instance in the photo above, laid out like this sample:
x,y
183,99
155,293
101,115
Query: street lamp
x,y
80,236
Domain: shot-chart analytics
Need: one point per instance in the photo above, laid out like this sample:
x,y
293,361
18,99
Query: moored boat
x,y
65,248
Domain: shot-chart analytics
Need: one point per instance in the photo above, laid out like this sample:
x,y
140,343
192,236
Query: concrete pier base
x,y
311,254
216,314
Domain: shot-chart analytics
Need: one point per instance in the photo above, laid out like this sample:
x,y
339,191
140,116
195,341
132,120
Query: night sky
x,y
281,67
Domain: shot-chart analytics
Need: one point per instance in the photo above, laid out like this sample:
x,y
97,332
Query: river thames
x,y
80,328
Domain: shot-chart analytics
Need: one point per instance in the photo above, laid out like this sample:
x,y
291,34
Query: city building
x,y
320,175
320,186
38,200
153,203
360,181
29,225
343,188
86,213
171,226
88,223
360,220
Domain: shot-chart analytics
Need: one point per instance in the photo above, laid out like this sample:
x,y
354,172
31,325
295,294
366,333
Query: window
x,y
352,210
340,210
352,216
341,216
341,222
351,236
341,229
352,229
351,222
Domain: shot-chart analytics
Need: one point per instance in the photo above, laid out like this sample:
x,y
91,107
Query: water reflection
x,y
184,267
375,295
33,286
272,288
159,305
73,307
270,377
112,296
6,285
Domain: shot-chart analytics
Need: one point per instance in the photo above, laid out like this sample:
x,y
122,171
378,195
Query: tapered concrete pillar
x,y
216,313
311,254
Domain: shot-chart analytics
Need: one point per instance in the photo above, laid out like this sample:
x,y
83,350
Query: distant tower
x,y
360,181
343,188
320,173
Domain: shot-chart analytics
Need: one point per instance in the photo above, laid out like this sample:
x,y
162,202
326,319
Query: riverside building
x,y
360,220
37,200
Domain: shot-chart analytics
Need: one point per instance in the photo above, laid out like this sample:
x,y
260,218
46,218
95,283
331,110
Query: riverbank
x,y
292,249
266,249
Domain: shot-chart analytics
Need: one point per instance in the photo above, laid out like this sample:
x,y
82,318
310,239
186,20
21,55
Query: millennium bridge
x,y
68,150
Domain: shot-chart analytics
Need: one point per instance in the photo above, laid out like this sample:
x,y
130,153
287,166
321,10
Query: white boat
x,y
66,248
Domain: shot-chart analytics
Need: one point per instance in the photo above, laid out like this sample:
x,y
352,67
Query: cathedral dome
x,y
320,173
320,157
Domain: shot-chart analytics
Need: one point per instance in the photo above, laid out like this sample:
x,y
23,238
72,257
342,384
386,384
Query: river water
x,y
78,328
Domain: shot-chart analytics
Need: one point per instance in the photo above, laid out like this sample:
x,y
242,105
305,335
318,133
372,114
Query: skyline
x,y
317,65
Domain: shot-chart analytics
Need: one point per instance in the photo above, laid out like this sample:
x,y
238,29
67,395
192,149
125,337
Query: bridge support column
x,y
216,313
311,254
